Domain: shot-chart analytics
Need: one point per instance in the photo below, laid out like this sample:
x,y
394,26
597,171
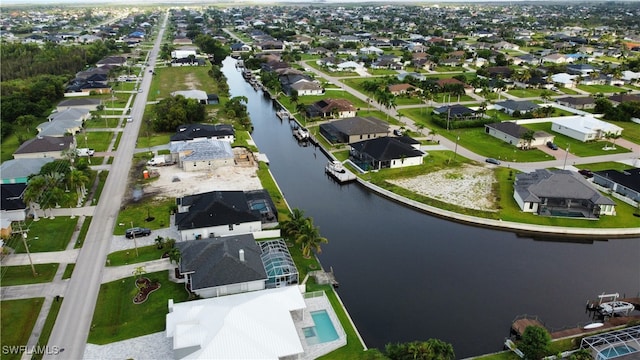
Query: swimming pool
x,y
615,352
323,331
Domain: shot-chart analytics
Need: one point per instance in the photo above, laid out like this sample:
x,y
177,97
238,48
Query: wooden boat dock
x,y
343,176
521,323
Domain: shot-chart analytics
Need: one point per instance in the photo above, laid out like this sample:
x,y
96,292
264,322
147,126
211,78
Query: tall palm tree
x,y
159,240
528,136
174,255
33,193
78,179
309,238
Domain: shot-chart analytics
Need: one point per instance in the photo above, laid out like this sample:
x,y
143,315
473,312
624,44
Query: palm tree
x,y
33,193
528,136
159,242
139,271
78,179
546,95
174,255
291,228
309,238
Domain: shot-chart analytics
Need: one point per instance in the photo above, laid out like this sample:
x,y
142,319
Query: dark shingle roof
x,y
216,261
559,184
45,144
386,148
628,178
522,106
360,125
215,208
194,131
11,198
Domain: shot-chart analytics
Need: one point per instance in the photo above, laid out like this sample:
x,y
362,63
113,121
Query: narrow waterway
x,y
406,276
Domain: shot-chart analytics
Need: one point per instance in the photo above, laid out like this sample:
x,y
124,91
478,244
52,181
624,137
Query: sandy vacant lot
x,y
469,186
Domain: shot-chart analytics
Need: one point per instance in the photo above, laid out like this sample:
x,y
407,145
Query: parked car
x,y
137,232
129,119
586,173
493,161
551,145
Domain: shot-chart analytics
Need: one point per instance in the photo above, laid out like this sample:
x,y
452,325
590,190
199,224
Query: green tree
x,y
528,137
290,228
309,238
159,240
174,255
535,342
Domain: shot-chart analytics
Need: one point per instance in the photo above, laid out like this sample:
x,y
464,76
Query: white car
x,y
129,119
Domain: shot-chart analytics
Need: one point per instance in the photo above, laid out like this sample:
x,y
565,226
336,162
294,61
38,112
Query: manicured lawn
x,y
46,235
594,89
170,79
448,98
117,142
109,123
102,176
568,91
98,140
501,115
18,318
575,146
135,214
449,68
83,232
145,253
48,325
631,131
269,184
117,318
609,165
68,271
377,72
22,274
525,93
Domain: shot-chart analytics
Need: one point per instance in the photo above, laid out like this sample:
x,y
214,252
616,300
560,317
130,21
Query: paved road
x,y
74,320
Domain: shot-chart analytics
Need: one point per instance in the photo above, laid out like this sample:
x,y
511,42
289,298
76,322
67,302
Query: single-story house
x,y
456,111
199,95
307,88
340,108
620,98
512,133
59,128
386,152
223,213
112,61
561,193
222,265
80,103
240,48
181,54
511,106
45,147
354,129
564,79
18,171
581,103
625,183
199,132
206,154
401,89
584,127
216,328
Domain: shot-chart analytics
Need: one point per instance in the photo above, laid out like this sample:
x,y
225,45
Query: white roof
x,y
191,94
586,124
253,325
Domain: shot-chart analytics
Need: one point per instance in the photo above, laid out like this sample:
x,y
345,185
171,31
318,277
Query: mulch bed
x,y
145,287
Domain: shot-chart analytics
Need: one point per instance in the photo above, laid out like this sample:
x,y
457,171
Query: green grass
x,y
48,326
526,93
9,145
46,235
68,271
609,165
381,72
631,131
568,91
98,140
83,232
18,318
22,274
447,98
269,184
117,142
145,253
102,176
135,214
594,89
117,318
109,123
169,79
577,147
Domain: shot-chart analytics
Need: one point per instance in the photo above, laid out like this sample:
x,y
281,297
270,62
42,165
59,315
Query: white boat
x,y
594,325
335,166
282,114
301,134
615,307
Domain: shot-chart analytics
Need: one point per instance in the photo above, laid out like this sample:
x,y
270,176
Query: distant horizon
x,y
80,3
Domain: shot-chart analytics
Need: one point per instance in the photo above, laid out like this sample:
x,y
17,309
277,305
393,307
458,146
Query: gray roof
x,y
70,114
79,102
208,149
58,128
216,261
360,125
522,106
45,144
515,130
558,184
19,168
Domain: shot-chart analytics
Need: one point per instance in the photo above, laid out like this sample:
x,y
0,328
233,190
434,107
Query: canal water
x,y
405,275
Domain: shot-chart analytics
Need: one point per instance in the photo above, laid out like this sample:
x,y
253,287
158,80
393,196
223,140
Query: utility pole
x,y
23,235
455,152
135,244
565,156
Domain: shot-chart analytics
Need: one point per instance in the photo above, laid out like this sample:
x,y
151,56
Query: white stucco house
x,y
584,127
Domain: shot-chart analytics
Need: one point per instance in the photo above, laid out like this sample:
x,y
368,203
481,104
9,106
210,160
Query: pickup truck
x,y
85,152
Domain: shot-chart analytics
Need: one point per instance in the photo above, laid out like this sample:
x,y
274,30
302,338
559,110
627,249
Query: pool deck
x,y
317,303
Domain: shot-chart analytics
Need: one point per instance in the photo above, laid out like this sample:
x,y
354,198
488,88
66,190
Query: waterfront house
x,y
199,132
584,127
560,193
215,328
354,129
386,152
625,183
222,265
512,133
206,154
338,108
